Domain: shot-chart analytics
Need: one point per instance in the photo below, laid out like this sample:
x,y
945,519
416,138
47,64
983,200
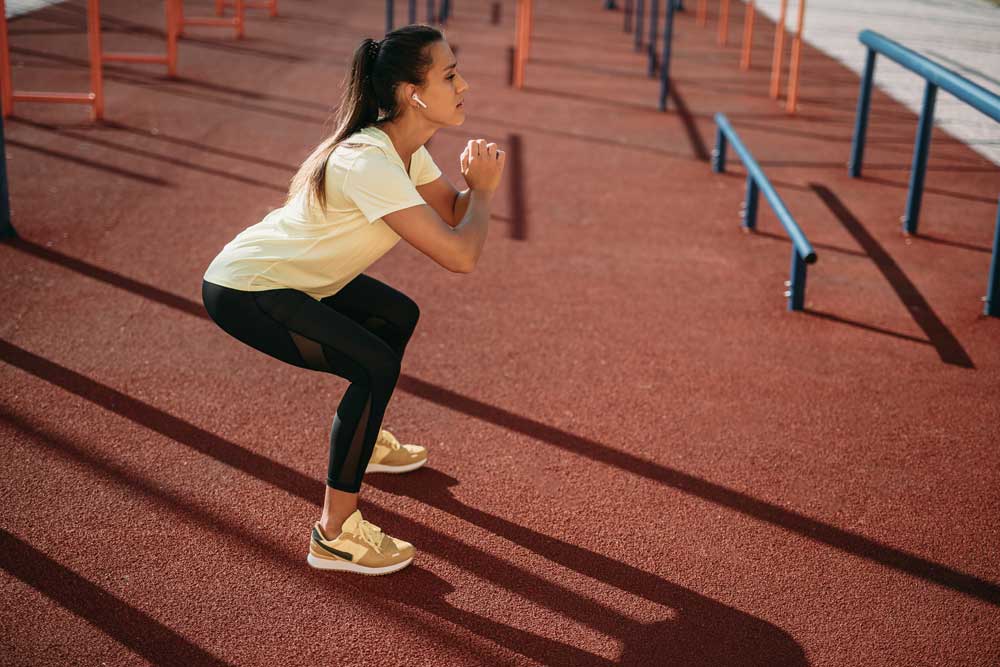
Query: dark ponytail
x,y
369,95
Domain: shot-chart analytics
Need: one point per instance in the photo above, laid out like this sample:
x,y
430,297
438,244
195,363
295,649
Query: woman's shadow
x,y
701,631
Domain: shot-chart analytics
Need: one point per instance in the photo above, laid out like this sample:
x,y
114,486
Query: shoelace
x,y
390,439
371,534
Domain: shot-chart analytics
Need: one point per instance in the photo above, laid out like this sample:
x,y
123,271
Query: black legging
x,y
359,333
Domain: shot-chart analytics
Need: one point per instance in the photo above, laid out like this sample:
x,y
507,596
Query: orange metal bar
x,y
747,35
779,47
703,13
95,98
724,23
6,90
169,58
236,22
270,5
521,55
793,75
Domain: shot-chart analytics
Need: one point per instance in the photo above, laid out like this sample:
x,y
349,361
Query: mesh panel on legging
x,y
360,334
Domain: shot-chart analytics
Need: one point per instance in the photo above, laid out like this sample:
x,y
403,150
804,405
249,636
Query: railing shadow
x,y
132,628
766,512
948,347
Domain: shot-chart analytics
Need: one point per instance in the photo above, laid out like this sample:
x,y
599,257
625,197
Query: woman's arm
x,y
461,205
442,196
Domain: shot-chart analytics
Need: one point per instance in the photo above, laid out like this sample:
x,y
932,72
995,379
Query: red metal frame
x,y
214,21
779,47
95,98
270,5
748,17
169,58
703,13
793,74
723,23
522,40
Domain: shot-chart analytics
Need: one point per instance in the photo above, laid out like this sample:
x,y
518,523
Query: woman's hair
x,y
369,88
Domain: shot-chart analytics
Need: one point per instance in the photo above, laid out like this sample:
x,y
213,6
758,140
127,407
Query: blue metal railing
x,y
936,77
757,182
6,229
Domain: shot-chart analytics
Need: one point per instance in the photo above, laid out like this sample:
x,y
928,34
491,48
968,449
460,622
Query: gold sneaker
x,y
361,547
390,456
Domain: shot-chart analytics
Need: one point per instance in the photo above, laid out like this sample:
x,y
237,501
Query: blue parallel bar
x,y
445,12
640,9
389,15
861,117
654,24
413,12
6,229
918,170
936,76
431,16
968,91
668,38
993,289
802,250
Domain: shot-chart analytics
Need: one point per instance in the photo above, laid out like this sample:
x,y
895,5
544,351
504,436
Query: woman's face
x,y
444,90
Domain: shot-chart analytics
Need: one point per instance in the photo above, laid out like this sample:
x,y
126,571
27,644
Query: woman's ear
x,y
408,90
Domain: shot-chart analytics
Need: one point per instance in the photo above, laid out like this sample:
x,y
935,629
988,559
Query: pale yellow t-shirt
x,y
319,251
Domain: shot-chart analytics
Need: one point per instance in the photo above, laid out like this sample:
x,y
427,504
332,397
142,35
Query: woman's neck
x,y
407,134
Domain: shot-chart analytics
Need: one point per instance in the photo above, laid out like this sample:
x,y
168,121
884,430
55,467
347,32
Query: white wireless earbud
x,y
418,100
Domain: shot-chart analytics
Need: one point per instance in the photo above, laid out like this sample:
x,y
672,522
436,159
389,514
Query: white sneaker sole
x,y
378,467
347,566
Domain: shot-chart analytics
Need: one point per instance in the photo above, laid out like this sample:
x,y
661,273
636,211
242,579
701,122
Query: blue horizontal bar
x,y
802,245
969,92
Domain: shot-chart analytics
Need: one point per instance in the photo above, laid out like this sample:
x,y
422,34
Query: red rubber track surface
x,y
638,456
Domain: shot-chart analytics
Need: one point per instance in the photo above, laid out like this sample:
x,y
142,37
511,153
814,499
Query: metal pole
x,y
779,47
723,23
7,229
431,17
668,37
702,13
610,4
796,295
793,75
94,40
992,307
628,15
654,25
750,205
445,12
719,153
6,86
172,25
413,12
861,117
640,7
747,35
919,168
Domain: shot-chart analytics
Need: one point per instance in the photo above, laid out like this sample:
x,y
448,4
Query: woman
x,y
292,285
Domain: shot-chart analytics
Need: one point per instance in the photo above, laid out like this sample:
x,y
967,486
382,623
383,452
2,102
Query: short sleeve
x,y
427,170
379,187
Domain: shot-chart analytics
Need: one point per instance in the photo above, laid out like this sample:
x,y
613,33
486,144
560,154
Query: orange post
x,y
270,5
747,35
779,47
212,21
703,13
724,23
793,74
95,98
521,39
169,58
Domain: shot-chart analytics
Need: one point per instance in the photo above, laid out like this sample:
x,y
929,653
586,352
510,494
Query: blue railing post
x,y
654,25
796,292
431,17
750,205
388,15
445,12
719,153
412,12
7,229
919,169
668,38
861,117
993,289
640,9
